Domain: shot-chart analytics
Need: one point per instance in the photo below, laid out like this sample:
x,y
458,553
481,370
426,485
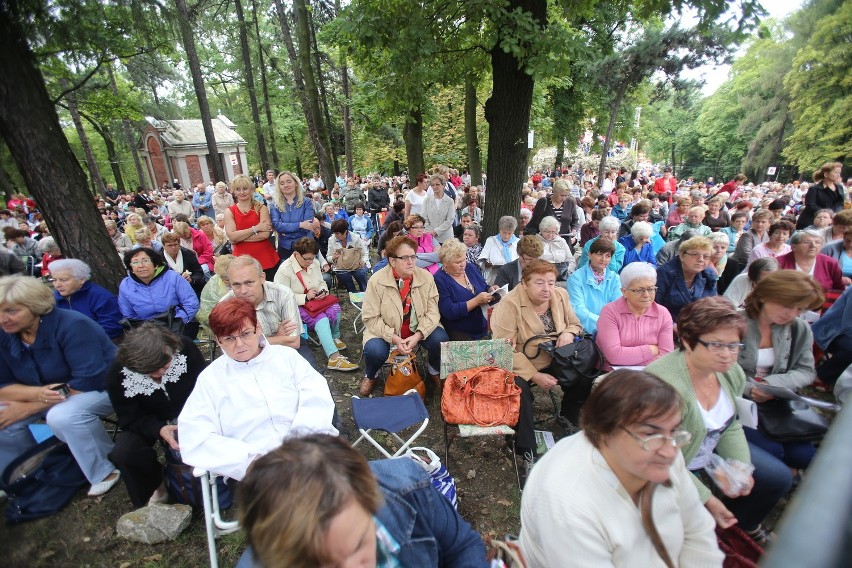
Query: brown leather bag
x,y
485,396
403,376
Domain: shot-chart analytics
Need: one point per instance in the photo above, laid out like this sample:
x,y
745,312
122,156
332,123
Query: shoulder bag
x,y
350,259
318,305
485,396
403,376
580,360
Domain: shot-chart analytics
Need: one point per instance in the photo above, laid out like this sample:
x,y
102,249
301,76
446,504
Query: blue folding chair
x,y
391,414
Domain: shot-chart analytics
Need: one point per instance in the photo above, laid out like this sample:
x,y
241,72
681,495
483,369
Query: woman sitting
x,y
778,350
302,274
716,217
592,287
585,496
151,288
50,252
42,348
400,310
805,257
777,244
743,284
183,261
841,251
688,276
197,242
427,255
215,289
361,224
554,248
144,238
529,248
635,330
217,236
340,248
463,294
470,237
756,235
677,215
735,230
637,245
153,375
121,241
315,501
499,249
394,229
537,307
706,374
592,228
833,334
609,231
73,290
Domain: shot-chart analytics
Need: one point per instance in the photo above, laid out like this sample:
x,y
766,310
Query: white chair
x,y
391,414
214,524
357,300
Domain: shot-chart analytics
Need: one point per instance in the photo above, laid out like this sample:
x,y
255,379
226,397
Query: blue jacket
x,y
286,222
97,303
646,254
68,348
588,297
621,213
430,533
452,303
672,292
203,204
144,301
836,321
361,225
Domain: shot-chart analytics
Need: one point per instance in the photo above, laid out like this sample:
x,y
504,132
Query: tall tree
x,y
127,131
249,75
94,171
474,155
264,86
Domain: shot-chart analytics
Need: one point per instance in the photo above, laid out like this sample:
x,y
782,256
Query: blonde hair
x,y
26,292
696,243
300,193
452,250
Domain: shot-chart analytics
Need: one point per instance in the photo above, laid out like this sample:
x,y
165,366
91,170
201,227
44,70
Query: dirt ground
x,y
83,534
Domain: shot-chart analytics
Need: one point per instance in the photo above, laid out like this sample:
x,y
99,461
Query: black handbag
x,y
580,360
790,421
167,319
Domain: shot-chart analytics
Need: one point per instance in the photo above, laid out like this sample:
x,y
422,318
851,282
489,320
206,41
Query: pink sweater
x,y
624,338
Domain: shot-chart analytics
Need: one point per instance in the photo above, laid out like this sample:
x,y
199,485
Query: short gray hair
x,y
149,347
636,270
27,292
641,229
507,223
720,238
77,268
548,222
797,236
609,223
243,261
451,250
47,244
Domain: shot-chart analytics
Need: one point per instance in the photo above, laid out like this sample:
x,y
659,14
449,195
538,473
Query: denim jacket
x,y
421,520
836,321
286,222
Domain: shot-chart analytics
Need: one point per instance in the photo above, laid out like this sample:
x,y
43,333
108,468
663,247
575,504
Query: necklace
x,y
707,393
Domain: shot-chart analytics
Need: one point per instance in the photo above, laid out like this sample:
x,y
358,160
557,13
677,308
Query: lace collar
x,y
136,383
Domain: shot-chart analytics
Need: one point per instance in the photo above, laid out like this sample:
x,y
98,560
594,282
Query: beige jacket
x,y
286,276
514,318
382,308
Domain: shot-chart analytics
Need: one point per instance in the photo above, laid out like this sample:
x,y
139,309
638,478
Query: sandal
x,y
762,536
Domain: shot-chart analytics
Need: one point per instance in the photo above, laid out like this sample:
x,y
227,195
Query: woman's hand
x,y
263,226
411,342
326,267
311,294
564,338
723,517
758,395
482,299
401,345
493,288
169,434
12,411
544,380
655,350
47,395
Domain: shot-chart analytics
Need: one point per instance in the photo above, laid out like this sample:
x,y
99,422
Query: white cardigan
x,y
492,251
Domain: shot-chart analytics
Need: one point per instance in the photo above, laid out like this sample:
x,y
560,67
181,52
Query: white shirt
x,y
416,202
240,411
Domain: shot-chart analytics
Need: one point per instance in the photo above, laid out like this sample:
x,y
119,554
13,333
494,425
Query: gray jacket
x,y
794,364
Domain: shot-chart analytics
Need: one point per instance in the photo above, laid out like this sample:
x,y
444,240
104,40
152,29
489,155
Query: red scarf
x,y
404,285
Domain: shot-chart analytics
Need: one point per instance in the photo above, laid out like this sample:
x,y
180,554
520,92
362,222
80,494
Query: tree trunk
x,y
613,114
127,131
673,156
186,22
112,155
299,171
347,116
332,139
412,133
247,69
273,152
474,158
30,127
6,184
508,114
91,163
323,147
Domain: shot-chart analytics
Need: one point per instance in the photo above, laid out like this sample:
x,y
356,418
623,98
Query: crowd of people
x,y
696,295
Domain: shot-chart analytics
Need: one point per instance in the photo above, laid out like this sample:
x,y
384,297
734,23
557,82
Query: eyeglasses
x,y
716,347
698,255
407,258
232,339
141,262
416,227
654,442
642,291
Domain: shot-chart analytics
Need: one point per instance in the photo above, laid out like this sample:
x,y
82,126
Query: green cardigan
x,y
732,444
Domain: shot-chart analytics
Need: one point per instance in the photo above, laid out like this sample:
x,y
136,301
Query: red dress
x,y
263,250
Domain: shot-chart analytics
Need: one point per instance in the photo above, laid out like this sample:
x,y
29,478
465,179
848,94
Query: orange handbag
x,y
403,376
485,396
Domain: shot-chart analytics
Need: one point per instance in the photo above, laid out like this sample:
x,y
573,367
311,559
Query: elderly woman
x,y
637,245
593,286
144,238
693,222
778,350
777,245
427,255
197,242
841,251
302,273
222,199
822,220
249,226
470,237
537,307
687,277
529,249
720,252
499,249
341,240
315,501
150,289
73,290
561,206
214,234
215,289
586,493
400,310
463,294
756,235
42,348
715,217
744,283
841,221
609,231
805,258
827,193
120,241
50,252
635,330
133,222
183,261
706,374
152,376
555,249
678,214
292,214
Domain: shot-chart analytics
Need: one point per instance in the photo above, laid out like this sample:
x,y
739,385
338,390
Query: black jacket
x,y
569,223
377,199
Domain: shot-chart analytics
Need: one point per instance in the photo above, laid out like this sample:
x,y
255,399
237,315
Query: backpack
x,y
185,488
41,481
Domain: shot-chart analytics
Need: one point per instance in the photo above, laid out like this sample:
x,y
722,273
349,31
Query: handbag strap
x,y
469,389
793,333
299,276
645,498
